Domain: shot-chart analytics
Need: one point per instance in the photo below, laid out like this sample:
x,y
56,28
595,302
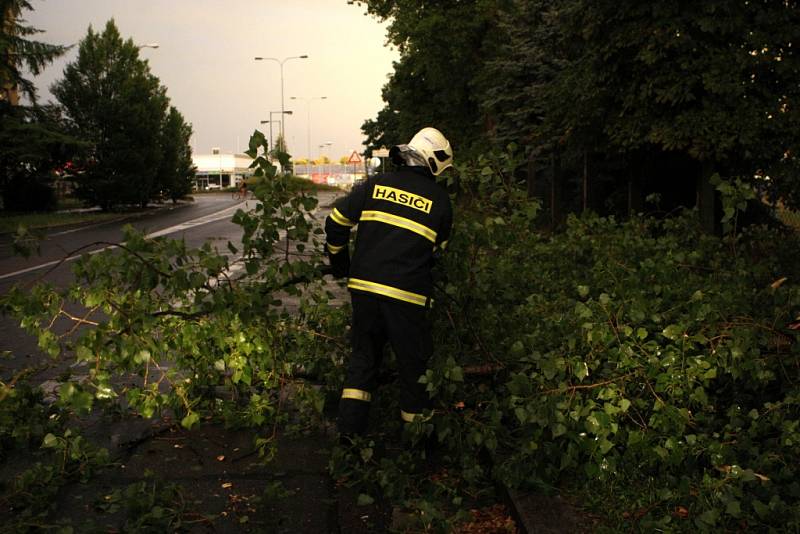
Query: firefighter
x,y
404,218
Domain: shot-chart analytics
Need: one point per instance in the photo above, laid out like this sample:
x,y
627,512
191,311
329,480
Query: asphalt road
x,y
207,219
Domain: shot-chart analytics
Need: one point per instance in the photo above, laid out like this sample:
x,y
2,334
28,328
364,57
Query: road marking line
x,y
86,227
213,217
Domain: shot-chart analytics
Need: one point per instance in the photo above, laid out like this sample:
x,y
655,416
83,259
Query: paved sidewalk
x,y
220,483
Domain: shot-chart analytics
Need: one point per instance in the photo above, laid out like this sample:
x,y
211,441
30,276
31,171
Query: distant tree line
x,y
611,100
112,133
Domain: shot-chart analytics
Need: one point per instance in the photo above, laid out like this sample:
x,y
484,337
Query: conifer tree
x,y
111,100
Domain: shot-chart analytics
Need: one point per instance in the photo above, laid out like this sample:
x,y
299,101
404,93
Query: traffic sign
x,y
355,158
381,152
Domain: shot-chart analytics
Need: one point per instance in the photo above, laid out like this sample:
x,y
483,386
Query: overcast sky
x,y
205,59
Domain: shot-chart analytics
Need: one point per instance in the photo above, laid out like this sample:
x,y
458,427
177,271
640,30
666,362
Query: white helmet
x,y
428,146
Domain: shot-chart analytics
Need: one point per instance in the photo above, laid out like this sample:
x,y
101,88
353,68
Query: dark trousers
x,y
376,321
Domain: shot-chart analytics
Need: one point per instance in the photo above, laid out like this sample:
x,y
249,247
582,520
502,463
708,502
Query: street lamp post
x,y
281,62
308,117
271,120
269,139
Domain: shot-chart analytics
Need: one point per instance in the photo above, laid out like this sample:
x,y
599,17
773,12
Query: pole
x,y
282,108
308,101
281,62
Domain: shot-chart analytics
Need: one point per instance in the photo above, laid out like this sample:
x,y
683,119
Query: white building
x,y
218,171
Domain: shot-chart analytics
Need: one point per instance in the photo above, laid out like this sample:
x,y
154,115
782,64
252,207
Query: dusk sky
x,y
205,60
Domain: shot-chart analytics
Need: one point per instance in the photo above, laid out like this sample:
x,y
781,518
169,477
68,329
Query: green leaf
x,y
143,356
672,332
761,509
582,370
190,420
709,517
582,310
50,441
456,374
83,353
364,499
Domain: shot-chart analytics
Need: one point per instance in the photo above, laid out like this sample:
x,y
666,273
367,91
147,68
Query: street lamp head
x,y
304,56
264,122
148,45
288,112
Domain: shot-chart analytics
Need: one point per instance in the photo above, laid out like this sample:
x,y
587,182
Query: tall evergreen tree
x,y
32,143
176,172
658,95
441,47
713,83
113,101
18,51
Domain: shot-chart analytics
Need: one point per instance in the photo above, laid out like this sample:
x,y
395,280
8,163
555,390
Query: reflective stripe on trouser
x,y
356,394
405,327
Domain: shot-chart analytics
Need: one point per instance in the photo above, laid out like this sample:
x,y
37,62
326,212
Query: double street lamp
x,y
270,121
269,139
281,62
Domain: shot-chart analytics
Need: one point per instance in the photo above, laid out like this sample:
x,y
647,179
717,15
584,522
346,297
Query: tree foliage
x,y
113,101
196,319
621,355
19,52
32,139
658,95
633,355
32,147
176,171
441,48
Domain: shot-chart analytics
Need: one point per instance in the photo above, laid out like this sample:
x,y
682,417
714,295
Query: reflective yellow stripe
x,y
409,417
357,394
402,222
333,249
338,218
387,291
443,245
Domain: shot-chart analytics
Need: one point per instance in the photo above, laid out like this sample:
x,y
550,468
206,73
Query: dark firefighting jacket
x,y
403,217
